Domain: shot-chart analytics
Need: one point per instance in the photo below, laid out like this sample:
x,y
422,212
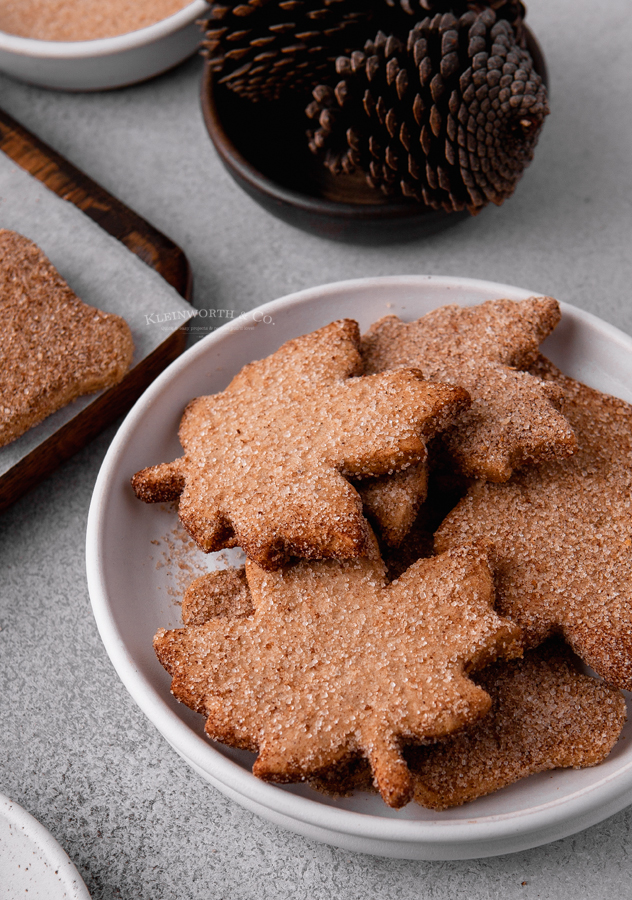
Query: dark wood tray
x,y
142,239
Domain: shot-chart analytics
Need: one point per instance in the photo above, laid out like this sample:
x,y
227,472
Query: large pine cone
x,y
450,120
262,48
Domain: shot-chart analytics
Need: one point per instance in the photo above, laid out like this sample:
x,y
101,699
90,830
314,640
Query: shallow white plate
x,y
108,62
133,581
32,864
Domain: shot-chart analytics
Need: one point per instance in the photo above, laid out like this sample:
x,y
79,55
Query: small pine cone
x,y
263,48
450,120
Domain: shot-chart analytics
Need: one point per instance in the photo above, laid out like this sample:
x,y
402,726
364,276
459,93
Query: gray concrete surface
x,y
74,749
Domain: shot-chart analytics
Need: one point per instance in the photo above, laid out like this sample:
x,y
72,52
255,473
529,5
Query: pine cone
x,y
512,10
264,47
450,120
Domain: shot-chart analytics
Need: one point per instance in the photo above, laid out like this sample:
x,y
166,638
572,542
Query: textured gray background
x,y
74,749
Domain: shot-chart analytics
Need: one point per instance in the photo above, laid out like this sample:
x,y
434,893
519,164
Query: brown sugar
x,y
82,20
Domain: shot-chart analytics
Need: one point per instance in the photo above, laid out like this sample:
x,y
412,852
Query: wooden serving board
x,y
142,239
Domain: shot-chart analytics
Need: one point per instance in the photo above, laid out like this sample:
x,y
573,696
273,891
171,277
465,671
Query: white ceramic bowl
x,y
132,597
108,62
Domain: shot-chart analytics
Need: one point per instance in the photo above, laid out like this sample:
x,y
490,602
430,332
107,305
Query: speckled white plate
x,y
32,864
133,581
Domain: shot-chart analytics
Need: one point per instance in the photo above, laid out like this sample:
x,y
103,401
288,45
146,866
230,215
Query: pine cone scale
x,y
308,33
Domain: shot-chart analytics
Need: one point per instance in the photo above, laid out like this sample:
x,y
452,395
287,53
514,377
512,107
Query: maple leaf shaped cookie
x,y
335,663
54,346
561,536
265,460
512,419
544,715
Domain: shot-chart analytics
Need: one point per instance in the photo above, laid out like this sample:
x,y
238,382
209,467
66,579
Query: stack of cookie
x,y
350,652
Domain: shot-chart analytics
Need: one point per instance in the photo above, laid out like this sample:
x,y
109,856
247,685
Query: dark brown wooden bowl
x,y
263,146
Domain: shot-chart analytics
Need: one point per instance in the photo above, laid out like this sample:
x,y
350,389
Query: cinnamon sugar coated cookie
x,y
445,488
266,460
393,501
221,593
544,715
55,347
350,669
561,535
334,663
513,420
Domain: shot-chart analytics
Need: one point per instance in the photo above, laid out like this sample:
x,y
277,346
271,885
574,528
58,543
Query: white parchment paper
x,y
99,269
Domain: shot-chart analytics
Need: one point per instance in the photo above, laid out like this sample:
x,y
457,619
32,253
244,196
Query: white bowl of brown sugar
x,y
92,45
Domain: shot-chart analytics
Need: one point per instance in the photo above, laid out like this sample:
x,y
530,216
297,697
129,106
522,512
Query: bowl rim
x,y
132,40
613,788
